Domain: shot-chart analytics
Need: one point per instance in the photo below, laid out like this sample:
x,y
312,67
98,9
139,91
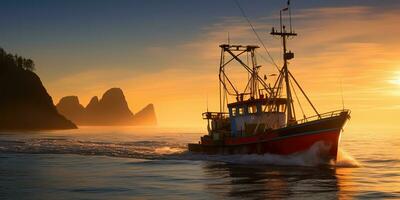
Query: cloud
x,y
335,45
332,12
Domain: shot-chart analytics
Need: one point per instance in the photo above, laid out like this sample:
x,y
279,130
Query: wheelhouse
x,y
256,115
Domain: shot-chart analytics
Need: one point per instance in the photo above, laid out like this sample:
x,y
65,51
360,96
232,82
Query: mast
x,y
287,55
255,88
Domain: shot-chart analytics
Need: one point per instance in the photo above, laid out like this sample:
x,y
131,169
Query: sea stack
x,y
146,116
111,110
71,107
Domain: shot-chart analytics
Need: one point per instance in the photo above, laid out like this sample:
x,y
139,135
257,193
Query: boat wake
x,y
312,157
346,160
136,149
168,151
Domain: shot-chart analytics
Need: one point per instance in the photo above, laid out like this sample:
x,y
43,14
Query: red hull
x,y
276,145
301,143
284,141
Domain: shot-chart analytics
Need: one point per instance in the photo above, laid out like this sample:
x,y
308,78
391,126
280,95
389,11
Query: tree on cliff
x,y
24,101
8,61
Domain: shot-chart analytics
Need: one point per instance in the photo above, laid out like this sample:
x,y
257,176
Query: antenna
x,y
207,103
287,55
341,92
229,39
290,15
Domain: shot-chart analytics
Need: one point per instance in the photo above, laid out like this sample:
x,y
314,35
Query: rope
x,y
258,37
297,98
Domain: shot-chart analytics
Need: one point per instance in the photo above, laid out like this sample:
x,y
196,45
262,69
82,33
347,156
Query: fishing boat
x,y
261,118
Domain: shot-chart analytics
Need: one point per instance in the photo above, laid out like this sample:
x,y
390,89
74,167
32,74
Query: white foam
x,y
168,150
346,160
149,149
312,157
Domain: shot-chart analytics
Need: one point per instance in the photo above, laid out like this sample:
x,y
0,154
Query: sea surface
x,y
152,163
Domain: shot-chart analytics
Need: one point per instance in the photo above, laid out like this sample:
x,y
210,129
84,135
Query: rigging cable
x,y
341,92
297,98
258,37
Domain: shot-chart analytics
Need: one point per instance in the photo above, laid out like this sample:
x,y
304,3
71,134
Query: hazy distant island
x,y
112,109
24,102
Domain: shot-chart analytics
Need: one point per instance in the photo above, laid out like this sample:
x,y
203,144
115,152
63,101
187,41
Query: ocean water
x,y
152,163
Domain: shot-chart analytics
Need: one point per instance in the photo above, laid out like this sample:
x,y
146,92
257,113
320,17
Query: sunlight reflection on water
x,y
150,162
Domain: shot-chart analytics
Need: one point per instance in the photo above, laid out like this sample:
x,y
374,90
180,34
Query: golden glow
x,y
396,79
332,49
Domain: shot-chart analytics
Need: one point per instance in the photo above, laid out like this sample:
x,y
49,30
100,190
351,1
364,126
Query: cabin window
x,y
241,111
264,108
233,112
259,108
282,108
252,109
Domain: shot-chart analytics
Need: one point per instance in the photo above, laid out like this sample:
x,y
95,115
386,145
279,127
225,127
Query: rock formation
x,y
111,109
146,116
71,107
24,102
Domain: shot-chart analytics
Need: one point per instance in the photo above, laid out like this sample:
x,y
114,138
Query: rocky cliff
x,y
24,101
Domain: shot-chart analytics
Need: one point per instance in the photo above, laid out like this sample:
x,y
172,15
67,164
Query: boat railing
x,y
215,115
322,116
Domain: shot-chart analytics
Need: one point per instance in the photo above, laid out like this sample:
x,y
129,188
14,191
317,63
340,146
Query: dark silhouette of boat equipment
x,y
262,118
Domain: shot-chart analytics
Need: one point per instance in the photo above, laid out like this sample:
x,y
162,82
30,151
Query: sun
x,y
395,80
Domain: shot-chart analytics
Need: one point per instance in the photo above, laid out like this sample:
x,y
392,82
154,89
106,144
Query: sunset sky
x,y
166,52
